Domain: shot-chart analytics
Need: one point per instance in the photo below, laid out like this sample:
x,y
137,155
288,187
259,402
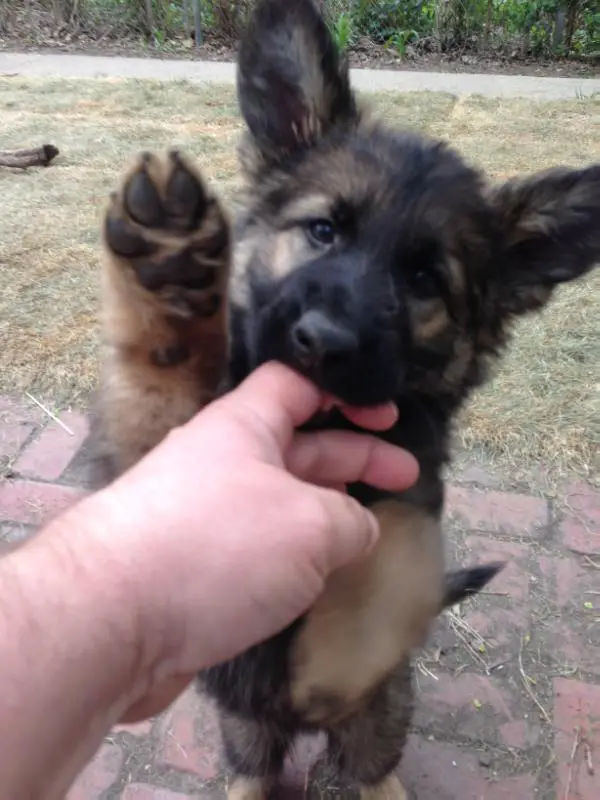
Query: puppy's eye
x,y
424,284
321,232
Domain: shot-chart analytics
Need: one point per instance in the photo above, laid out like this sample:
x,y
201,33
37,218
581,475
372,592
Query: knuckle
x,y
317,513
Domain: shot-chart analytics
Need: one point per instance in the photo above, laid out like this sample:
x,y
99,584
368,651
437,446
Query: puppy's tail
x,y
462,583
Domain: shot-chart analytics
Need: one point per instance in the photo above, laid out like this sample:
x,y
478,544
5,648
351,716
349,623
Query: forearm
x,y
62,686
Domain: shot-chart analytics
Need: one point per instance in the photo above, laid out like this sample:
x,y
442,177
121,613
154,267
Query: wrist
x,y
92,583
90,543
118,543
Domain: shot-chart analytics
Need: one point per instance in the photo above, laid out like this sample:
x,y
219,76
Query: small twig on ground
x,y
50,414
465,633
591,562
178,745
576,743
527,684
588,758
420,665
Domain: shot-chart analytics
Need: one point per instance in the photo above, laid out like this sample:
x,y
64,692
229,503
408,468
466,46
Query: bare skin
x,y
116,578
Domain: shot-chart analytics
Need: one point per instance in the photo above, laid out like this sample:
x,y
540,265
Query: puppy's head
x,y
378,262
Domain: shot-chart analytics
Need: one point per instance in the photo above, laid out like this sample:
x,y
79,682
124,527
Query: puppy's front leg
x,y
371,615
164,308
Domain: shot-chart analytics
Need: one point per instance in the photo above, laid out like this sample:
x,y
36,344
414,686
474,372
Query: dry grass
x,y
542,406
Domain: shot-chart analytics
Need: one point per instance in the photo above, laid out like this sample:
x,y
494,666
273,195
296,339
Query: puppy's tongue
x,y
377,418
330,402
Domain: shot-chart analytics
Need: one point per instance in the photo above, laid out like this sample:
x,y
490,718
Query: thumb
x,y
159,698
276,398
350,531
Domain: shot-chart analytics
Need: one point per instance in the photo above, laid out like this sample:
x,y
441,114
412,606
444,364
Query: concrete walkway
x,y
82,66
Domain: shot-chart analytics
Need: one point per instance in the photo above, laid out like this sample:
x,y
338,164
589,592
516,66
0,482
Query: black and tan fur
x,y
384,267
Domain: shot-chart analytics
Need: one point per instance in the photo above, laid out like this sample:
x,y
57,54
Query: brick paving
x,y
508,691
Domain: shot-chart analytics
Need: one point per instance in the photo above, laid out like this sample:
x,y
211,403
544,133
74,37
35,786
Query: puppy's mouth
x,y
327,415
325,419
329,403
334,413
353,363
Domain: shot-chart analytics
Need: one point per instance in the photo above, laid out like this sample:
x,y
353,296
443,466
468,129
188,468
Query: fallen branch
x,y
22,159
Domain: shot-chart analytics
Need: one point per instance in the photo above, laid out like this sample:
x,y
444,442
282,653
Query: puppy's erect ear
x,y
292,87
549,228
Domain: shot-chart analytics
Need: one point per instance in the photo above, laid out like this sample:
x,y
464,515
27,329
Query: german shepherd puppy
x,y
382,266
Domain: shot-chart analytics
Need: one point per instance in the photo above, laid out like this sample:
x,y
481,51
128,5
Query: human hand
x,y
229,528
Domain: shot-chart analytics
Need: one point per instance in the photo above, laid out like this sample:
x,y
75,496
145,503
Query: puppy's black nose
x,y
317,339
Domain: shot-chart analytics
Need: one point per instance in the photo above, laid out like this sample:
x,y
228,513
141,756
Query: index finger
x,y
340,457
282,400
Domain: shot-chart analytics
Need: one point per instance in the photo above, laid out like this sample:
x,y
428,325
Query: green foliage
x,y
400,39
343,31
528,25
586,39
382,20
540,27
110,16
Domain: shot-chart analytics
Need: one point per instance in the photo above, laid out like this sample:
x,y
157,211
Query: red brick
x,y
580,536
520,734
436,771
572,636
583,500
49,455
500,619
500,627
99,775
12,410
32,503
514,578
518,788
143,791
497,512
569,580
576,645
190,737
576,707
469,703
13,436
439,771
475,474
580,526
